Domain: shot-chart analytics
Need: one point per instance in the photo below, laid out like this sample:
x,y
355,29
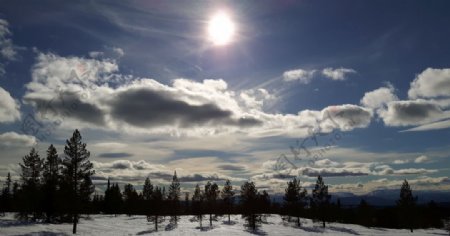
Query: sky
x,y
355,91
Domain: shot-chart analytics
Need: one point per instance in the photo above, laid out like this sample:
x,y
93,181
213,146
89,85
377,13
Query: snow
x,y
137,225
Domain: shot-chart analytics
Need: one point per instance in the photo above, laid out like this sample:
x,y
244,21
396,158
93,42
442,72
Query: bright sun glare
x,y
221,29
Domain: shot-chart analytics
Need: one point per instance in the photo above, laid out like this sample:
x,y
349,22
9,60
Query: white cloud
x,y
417,112
304,76
431,83
84,93
399,162
9,108
338,73
7,49
421,159
13,139
431,126
378,98
118,51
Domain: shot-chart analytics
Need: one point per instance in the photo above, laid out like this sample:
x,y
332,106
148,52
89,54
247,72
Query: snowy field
x,y
137,225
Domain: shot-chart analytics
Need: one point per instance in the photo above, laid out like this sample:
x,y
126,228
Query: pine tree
x,y
31,184
211,194
294,199
6,197
156,206
197,204
249,199
173,198
227,197
77,171
406,205
147,190
51,174
130,199
320,199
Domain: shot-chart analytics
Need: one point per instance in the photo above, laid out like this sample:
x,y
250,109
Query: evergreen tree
x,y
320,200
31,184
197,204
364,213
130,199
77,171
406,205
249,199
211,194
147,190
156,206
227,197
173,198
294,199
51,174
6,197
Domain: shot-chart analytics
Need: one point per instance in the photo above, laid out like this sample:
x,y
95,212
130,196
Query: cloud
x,y
417,112
75,91
430,83
400,162
149,108
337,74
7,49
13,139
115,155
232,167
9,108
421,159
431,126
118,51
304,76
137,171
378,98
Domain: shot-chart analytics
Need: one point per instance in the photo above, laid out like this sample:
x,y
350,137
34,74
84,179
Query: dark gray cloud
x,y
200,177
67,105
115,155
149,108
232,167
411,112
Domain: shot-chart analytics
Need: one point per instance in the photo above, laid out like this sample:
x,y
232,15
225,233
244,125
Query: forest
x,y
59,188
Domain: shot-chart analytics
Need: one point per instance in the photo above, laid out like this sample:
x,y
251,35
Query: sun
x,y
221,29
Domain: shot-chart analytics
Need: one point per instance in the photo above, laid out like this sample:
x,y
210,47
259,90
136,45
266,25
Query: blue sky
x,y
152,94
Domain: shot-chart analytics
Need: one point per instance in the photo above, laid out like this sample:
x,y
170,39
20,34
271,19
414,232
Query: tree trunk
x,y
323,223
229,219
298,221
210,220
75,221
156,223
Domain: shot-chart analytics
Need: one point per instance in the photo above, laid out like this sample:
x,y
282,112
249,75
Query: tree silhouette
x,y
156,206
406,205
294,199
52,175
211,194
6,197
197,204
173,197
227,197
249,199
131,199
77,171
31,183
320,200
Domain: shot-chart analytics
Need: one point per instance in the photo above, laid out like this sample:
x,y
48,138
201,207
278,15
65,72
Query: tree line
x,y
55,189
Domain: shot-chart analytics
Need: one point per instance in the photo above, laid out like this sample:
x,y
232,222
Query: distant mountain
x,y
385,197
388,197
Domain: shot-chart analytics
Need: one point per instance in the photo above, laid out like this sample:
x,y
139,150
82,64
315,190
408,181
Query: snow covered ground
x,y
137,225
